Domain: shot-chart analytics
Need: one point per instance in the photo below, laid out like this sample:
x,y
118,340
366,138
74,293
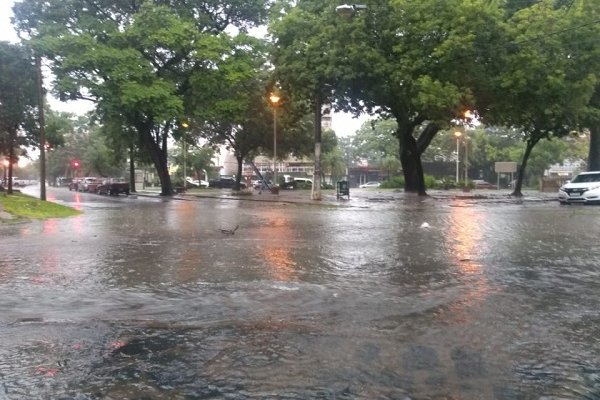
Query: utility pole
x,y
42,123
466,158
316,188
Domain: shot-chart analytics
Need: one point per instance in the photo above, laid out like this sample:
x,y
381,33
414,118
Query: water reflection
x,y
466,243
277,235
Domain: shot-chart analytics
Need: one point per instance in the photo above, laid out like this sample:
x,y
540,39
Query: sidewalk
x,y
360,196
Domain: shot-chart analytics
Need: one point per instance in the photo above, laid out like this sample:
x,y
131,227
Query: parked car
x,y
583,188
89,184
113,186
189,182
224,183
63,181
371,184
294,182
74,184
481,184
16,182
259,184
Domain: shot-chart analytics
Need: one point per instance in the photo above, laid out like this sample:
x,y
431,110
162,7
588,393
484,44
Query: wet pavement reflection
x,y
146,298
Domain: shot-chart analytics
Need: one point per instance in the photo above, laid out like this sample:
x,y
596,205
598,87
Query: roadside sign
x,y
505,167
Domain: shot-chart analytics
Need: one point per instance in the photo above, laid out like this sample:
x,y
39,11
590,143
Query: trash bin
x,y
343,189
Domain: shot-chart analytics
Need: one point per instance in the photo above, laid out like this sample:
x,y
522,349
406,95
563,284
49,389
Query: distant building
x,y
567,169
226,163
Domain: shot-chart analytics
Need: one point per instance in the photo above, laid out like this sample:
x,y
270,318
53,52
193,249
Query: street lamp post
x,y
457,135
184,125
274,99
466,158
42,122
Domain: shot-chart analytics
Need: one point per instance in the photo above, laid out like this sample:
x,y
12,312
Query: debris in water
x,y
229,231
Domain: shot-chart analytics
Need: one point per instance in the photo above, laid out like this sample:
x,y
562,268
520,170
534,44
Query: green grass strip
x,y
22,206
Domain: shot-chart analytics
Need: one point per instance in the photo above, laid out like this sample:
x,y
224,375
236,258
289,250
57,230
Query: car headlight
x,y
594,187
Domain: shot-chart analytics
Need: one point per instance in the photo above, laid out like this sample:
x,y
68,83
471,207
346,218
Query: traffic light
x,y
75,163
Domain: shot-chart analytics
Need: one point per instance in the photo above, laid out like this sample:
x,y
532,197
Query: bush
x,y
430,182
303,185
445,183
396,182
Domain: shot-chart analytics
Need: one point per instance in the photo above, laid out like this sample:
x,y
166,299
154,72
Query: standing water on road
x,y
146,298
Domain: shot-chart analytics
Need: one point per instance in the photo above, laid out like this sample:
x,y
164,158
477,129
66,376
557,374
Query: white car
x,y
584,188
196,182
371,184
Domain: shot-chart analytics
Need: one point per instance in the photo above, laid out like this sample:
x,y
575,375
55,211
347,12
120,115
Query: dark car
x,y
480,184
224,183
113,186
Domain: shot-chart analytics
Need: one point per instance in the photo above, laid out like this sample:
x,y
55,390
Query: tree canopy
x,y
136,59
403,59
18,101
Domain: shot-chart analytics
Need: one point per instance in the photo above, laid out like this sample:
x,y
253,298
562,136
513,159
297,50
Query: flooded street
x,y
147,298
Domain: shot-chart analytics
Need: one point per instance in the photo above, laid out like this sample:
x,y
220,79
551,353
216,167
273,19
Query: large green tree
x,y
544,85
414,61
136,59
238,114
18,101
376,140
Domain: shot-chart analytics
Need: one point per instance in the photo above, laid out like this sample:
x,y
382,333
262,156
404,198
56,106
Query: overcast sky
x,y
343,124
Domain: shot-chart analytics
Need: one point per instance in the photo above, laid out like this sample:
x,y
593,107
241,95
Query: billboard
x,y
505,167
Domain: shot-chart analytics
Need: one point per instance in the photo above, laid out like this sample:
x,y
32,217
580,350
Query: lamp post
x,y
468,116
457,134
274,99
466,158
42,123
184,125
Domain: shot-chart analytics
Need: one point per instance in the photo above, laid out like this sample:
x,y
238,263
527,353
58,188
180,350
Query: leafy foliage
x,y
137,60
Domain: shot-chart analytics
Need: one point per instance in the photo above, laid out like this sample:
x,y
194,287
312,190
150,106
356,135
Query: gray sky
x,y
343,124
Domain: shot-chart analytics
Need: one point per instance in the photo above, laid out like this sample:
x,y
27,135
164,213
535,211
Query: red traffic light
x,y
75,164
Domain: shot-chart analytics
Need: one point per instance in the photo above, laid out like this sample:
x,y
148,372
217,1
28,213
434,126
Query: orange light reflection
x,y
278,238
465,242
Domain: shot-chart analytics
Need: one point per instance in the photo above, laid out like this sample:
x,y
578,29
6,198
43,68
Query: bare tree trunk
x,y
521,172
414,181
159,158
238,177
11,159
131,170
593,163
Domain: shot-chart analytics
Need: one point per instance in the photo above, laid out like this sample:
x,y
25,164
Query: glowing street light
x,y
274,99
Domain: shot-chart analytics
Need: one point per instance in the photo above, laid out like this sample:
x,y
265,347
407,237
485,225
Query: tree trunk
x,y
131,170
410,158
521,172
158,156
238,177
593,163
11,159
